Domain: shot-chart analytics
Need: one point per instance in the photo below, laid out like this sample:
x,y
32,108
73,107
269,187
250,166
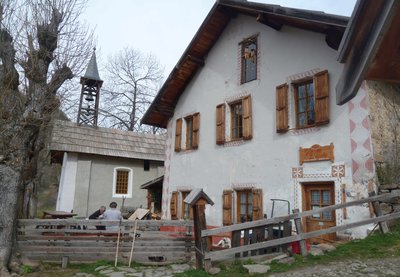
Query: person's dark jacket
x,y
95,215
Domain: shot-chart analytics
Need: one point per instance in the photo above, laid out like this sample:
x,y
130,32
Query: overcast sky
x,y
165,27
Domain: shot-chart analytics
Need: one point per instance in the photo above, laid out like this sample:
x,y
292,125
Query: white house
x,y
251,116
101,165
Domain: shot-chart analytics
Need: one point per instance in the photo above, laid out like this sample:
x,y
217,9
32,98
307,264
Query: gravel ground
x,y
353,268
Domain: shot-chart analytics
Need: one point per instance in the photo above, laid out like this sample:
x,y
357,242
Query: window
x,y
122,184
236,120
249,59
192,123
241,120
146,165
305,103
319,199
249,205
311,103
245,206
186,212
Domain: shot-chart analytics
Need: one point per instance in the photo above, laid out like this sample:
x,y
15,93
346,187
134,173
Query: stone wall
x,y
392,205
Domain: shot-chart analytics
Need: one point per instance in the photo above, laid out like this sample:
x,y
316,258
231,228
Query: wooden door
x,y
317,196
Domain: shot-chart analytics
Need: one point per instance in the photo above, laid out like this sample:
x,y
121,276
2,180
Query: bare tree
x,y
132,82
42,45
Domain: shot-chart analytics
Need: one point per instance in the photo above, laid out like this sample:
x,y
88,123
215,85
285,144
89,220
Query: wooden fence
x,y
156,242
261,228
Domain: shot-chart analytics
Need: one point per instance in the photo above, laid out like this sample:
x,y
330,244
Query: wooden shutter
x,y
196,127
282,118
247,118
178,135
227,207
321,88
220,124
174,205
257,204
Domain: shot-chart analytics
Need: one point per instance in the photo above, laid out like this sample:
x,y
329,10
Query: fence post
x,y
299,230
378,212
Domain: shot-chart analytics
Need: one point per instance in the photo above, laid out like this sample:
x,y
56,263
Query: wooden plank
x,y
276,220
93,223
378,212
235,241
223,253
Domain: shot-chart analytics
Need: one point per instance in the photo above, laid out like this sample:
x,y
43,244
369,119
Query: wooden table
x,y
57,214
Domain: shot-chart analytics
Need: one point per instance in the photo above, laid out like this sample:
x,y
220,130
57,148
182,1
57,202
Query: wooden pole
x,y
299,230
199,225
378,212
133,243
117,250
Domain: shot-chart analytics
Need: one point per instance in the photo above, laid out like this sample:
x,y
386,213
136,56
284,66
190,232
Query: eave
x,y
193,58
370,48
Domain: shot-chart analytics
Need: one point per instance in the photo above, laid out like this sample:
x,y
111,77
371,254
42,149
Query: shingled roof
x,y
68,137
273,16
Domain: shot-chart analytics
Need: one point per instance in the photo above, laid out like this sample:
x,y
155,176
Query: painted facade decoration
x,y
252,126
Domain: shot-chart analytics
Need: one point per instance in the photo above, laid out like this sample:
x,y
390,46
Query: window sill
x,y
305,130
235,142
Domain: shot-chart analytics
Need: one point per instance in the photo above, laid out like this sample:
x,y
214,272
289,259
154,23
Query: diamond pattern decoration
x,y
360,137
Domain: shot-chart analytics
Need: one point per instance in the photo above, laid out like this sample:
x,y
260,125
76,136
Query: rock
x,y
117,274
177,268
29,262
126,269
326,247
386,208
389,187
316,251
287,260
369,270
106,271
101,267
390,272
214,271
256,268
137,274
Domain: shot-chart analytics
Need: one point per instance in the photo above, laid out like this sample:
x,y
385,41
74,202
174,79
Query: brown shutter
x,y
221,124
196,127
321,87
247,118
178,135
257,204
227,207
282,118
174,205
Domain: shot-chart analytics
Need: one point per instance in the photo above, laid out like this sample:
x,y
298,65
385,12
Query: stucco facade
x,y
269,160
90,182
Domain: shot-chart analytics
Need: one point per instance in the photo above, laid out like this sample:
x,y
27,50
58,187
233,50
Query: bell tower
x,y
90,93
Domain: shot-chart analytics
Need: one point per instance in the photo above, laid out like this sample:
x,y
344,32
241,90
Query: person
x,y
112,214
97,215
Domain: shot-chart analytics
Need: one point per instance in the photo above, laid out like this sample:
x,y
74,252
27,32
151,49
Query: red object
x,y
296,247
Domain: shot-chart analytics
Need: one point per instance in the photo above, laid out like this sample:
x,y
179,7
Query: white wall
x,y
66,190
267,160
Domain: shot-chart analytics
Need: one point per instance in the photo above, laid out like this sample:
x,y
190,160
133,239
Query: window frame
x,y
247,204
189,132
243,44
233,127
129,184
296,86
184,194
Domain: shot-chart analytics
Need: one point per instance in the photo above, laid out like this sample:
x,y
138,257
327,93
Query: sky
x,y
164,28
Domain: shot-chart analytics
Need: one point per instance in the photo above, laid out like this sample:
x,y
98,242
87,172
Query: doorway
x,y
316,196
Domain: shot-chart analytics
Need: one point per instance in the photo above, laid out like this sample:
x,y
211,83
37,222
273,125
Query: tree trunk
x,y
9,190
